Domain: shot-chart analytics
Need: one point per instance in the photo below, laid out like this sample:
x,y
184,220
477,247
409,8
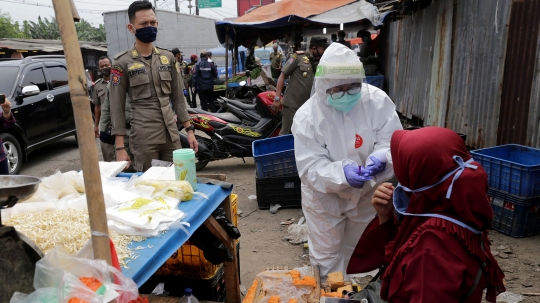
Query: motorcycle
x,y
231,134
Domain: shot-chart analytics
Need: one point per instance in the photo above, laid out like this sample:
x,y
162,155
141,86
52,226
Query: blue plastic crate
x,y
514,216
274,157
512,168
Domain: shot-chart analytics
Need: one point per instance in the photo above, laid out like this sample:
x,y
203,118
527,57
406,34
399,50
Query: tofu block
x,y
335,280
348,288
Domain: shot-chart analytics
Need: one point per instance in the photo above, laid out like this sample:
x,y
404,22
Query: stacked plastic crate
x,y
277,177
514,187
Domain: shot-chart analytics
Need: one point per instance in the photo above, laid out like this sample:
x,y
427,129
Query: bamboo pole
x,y
83,121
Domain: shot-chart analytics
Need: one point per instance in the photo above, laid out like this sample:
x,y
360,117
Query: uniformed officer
x,y
105,126
99,94
276,60
300,67
179,56
204,74
189,75
151,78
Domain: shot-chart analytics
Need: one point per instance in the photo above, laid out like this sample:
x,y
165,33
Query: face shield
x,y
340,79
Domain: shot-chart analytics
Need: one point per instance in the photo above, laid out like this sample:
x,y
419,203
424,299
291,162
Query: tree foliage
x,y
48,30
9,28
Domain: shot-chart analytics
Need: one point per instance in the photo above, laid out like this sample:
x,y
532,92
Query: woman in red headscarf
x,y
440,251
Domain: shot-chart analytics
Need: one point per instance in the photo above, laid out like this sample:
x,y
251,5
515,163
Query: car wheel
x,y
13,152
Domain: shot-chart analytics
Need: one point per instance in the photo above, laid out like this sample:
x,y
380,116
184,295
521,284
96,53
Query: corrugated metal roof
x,y
46,45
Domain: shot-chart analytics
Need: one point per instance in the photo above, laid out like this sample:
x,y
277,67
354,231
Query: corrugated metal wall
x,y
519,71
479,51
533,130
446,65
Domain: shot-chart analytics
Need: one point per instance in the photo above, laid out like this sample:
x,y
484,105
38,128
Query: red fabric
x,y
369,253
421,158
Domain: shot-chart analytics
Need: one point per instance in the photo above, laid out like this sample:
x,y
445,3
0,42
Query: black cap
x,y
319,41
176,51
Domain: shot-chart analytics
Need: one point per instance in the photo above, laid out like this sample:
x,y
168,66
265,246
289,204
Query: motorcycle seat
x,y
228,117
241,105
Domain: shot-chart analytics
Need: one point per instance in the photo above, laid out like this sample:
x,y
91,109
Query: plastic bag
x,y
180,190
59,278
230,229
57,183
297,233
214,251
280,283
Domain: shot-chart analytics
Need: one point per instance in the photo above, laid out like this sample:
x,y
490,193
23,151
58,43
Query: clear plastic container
x,y
188,297
184,166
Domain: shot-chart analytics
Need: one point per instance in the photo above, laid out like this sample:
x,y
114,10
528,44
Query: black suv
x,y
39,93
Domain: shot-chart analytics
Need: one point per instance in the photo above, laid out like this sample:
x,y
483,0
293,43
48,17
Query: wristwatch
x,y
191,127
277,98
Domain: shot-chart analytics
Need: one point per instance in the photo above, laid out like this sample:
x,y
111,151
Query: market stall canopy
x,y
48,46
276,21
285,8
351,12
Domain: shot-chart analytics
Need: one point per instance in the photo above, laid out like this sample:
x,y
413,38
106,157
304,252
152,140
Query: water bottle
x,y
188,297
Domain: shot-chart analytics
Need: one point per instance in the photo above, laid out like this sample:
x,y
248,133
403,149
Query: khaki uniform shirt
x,y
153,86
300,68
105,120
275,59
100,91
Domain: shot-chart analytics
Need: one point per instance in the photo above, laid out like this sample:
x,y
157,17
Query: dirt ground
x,y
261,242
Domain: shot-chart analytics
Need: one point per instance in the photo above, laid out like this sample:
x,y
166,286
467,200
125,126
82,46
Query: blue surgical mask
x,y
146,34
401,200
345,103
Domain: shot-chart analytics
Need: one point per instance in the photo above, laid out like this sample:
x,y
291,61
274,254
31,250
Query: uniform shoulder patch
x,y
120,54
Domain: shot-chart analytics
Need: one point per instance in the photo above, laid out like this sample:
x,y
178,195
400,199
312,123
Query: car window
x,y
58,75
35,77
9,75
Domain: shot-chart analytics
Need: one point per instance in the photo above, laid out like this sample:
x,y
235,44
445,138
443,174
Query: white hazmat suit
x,y
325,141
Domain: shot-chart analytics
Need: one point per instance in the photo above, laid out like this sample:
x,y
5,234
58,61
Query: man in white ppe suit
x,y
342,148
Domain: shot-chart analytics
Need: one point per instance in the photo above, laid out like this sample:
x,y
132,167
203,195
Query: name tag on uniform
x,y
165,68
137,72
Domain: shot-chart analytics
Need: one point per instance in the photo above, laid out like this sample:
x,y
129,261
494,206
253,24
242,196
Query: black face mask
x,y
106,72
146,34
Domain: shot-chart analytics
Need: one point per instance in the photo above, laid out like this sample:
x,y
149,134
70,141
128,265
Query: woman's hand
x,y
6,106
382,202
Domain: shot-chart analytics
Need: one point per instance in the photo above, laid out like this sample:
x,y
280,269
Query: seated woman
x,y
440,251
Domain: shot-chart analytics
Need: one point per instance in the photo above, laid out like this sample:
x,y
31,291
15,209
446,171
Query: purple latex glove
x,y
356,175
375,167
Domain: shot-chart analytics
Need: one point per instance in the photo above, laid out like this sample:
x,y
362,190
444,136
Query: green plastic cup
x,y
184,166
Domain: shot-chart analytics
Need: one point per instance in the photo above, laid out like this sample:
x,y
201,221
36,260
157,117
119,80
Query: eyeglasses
x,y
338,94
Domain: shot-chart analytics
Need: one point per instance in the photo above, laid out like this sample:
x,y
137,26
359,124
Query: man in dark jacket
x,y
203,81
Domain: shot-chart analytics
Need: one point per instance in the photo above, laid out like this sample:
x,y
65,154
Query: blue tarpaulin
x,y
197,211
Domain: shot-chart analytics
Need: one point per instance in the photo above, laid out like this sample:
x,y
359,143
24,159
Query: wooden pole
x,y
83,121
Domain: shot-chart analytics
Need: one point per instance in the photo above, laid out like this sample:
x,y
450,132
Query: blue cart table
x,y
198,212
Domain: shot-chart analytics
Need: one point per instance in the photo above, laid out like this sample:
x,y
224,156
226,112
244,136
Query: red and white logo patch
x,y
358,142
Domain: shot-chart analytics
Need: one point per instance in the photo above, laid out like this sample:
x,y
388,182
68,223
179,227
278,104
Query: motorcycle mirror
x,y
242,83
